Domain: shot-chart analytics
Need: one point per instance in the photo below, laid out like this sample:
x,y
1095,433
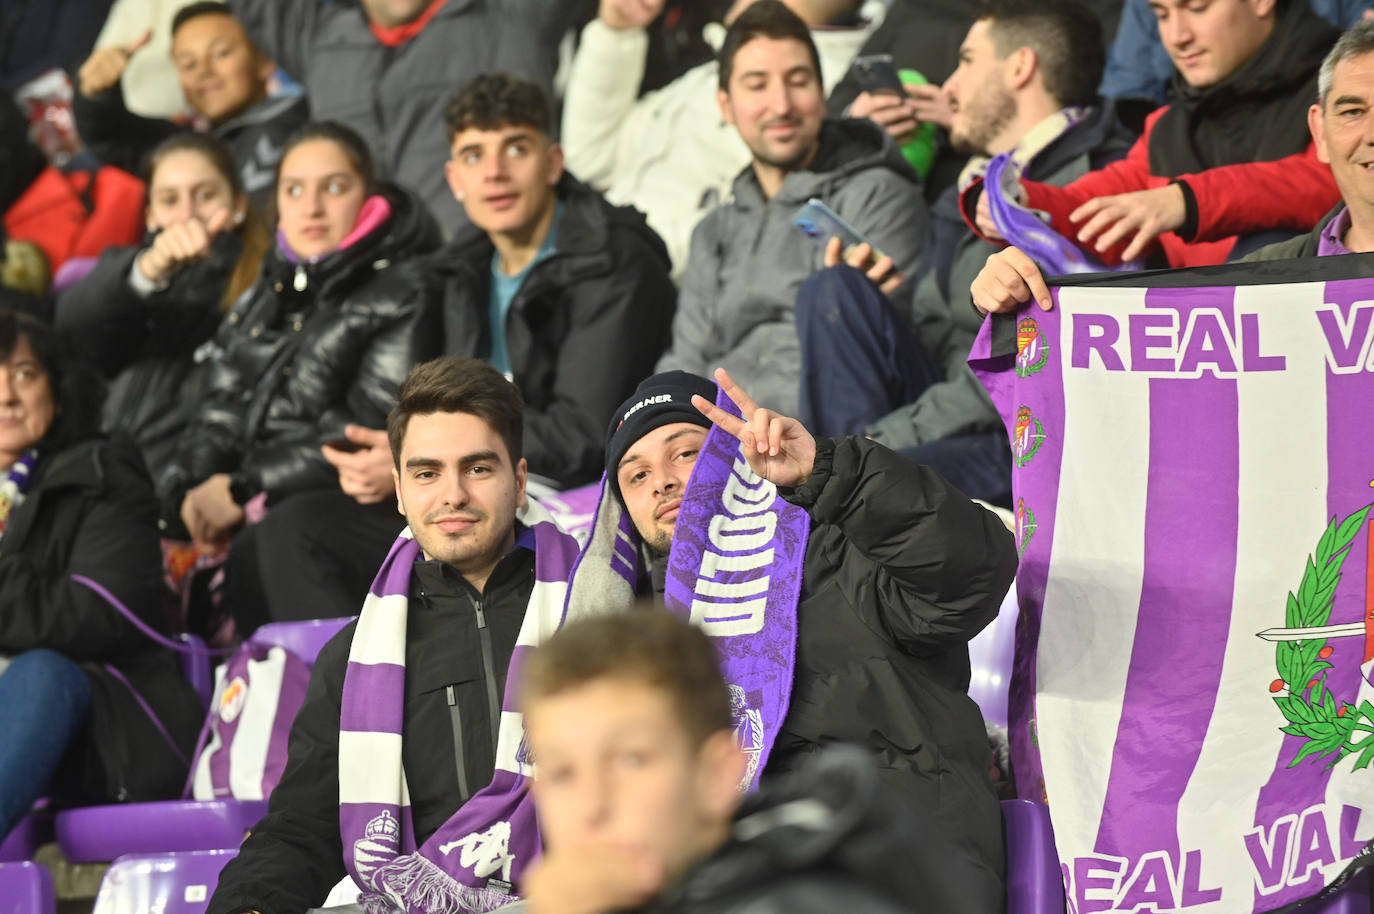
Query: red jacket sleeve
x,y
1289,193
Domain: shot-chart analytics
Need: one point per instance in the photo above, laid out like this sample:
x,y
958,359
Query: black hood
x,y
1258,113
832,820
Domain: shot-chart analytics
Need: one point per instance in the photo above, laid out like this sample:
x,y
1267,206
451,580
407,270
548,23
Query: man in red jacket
x,y
1230,157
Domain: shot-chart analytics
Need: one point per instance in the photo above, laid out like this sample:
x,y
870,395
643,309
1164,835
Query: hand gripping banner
x,y
1194,498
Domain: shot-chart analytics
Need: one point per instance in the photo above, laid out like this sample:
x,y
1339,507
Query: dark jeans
x,y
861,359
312,557
45,700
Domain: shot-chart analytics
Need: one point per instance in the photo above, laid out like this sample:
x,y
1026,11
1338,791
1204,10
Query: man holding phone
x,y
1025,85
737,306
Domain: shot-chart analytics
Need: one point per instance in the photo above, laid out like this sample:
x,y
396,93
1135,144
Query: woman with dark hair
x,y
140,315
323,339
80,683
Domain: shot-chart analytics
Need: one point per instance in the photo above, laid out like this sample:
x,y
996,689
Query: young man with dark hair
x,y
386,68
638,788
402,736
748,258
840,582
1025,86
561,292
224,77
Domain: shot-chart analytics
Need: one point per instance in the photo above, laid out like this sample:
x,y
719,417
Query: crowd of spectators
x,y
233,230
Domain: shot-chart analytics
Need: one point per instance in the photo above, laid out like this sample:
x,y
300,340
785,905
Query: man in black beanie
x,y
842,583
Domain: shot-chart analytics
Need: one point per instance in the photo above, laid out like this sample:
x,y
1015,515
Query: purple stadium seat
x,y
990,657
99,833
26,888
33,830
95,834
169,883
304,639
1034,883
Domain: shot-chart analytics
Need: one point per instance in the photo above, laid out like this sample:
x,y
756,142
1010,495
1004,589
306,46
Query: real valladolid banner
x,y
1194,497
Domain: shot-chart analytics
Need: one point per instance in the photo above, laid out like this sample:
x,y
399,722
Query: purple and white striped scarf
x,y
735,570
470,863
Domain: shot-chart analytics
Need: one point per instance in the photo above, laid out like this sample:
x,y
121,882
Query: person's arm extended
x,y
102,315
603,84
113,133
294,856
935,564
1294,192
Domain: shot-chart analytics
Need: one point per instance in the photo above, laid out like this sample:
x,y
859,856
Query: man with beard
x,y
747,259
1025,85
1229,163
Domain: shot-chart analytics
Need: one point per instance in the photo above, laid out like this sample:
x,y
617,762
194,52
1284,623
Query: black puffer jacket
x,y
901,570
145,346
829,838
587,325
309,349
90,510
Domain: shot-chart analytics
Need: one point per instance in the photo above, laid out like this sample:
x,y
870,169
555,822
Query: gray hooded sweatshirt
x,y
736,308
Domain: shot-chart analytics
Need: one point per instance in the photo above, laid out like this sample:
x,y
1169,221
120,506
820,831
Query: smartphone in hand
x,y
821,223
876,73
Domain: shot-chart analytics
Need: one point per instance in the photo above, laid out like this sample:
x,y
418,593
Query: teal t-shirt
x,y
503,290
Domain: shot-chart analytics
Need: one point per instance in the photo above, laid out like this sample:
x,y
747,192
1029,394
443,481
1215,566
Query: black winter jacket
x,y
123,139
309,349
90,510
587,325
295,855
829,838
901,570
145,346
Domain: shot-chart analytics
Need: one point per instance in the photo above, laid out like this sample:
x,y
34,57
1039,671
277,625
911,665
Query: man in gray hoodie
x,y
736,308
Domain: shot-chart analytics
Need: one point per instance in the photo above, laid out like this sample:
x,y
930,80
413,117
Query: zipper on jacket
x,y
455,718
489,671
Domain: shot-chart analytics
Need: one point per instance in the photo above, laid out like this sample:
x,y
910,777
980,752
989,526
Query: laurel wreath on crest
x,y
1332,727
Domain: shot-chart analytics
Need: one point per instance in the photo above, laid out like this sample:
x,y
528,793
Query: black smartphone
x,y
877,73
343,444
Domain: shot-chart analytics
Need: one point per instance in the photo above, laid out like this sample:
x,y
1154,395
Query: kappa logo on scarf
x,y
484,852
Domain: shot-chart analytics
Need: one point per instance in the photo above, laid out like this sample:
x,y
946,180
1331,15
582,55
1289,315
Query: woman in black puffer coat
x,y
322,340
141,313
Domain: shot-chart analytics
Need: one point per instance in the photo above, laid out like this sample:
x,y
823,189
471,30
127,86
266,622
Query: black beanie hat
x,y
657,401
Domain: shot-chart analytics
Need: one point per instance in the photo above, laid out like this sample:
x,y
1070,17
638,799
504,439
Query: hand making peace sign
x,y
778,448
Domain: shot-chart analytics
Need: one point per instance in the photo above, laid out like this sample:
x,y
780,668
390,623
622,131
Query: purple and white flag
x,y
1193,461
